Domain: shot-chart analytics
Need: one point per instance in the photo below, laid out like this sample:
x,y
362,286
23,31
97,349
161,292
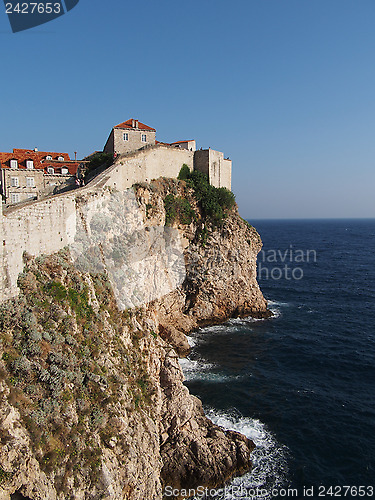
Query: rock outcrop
x,y
92,400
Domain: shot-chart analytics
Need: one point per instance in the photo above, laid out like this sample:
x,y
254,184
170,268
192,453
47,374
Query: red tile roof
x,y
164,143
129,125
41,155
39,160
182,142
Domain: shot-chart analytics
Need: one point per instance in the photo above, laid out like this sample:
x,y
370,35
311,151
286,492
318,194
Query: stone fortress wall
x,y
213,163
39,227
147,164
48,225
116,143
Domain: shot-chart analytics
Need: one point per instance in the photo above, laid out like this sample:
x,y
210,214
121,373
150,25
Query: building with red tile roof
x,y
29,173
129,136
132,135
190,144
132,124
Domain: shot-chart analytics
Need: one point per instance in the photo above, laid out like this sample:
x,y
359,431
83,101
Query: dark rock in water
x,y
195,451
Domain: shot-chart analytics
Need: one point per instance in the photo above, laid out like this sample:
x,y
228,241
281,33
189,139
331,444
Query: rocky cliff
x,y
92,400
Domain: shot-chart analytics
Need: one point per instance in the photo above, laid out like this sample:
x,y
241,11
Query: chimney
x,y
133,123
35,150
136,123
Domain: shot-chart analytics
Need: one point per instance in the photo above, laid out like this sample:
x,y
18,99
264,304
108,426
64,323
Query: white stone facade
x,y
129,136
46,226
213,163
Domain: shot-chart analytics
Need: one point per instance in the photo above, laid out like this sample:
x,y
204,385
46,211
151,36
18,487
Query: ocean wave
x,y
243,321
276,307
276,312
270,469
222,328
278,303
191,341
194,370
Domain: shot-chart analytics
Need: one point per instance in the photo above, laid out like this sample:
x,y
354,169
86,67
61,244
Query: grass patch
x,y
178,209
214,202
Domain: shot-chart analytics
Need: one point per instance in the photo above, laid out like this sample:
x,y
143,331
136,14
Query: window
x,y
144,138
14,198
30,195
13,164
126,136
61,158
48,157
14,181
64,170
50,170
29,164
30,182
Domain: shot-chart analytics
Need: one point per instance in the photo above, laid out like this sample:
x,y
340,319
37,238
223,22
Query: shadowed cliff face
x,y
220,262
92,401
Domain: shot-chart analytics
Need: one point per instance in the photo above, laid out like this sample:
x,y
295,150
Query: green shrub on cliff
x,y
98,160
54,345
184,173
178,208
213,201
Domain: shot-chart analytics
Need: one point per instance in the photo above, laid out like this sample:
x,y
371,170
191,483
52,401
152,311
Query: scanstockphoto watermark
x,y
288,264
258,493
202,492
24,15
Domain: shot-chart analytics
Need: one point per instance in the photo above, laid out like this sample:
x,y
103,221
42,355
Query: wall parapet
x,y
47,225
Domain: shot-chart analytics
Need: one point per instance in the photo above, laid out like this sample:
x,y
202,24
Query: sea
x,y
300,384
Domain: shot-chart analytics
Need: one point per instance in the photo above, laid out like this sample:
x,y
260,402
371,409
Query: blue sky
x,y
286,88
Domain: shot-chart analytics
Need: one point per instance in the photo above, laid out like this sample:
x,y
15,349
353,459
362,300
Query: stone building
x,y
132,135
213,163
190,145
29,174
129,136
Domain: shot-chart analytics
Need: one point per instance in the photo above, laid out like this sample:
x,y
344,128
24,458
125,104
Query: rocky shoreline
x,y
92,400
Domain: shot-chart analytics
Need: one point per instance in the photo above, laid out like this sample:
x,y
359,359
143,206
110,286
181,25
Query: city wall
x,y
151,163
213,163
46,226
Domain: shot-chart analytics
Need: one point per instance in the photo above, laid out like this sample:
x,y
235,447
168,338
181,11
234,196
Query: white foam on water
x,y
277,303
276,312
275,307
201,370
244,321
214,328
192,367
192,342
270,469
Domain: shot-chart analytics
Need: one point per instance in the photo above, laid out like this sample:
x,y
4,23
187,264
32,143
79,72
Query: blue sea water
x,y
302,383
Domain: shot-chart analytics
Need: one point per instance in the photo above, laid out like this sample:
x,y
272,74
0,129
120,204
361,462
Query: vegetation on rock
x,y
100,391
97,160
215,202
54,341
177,207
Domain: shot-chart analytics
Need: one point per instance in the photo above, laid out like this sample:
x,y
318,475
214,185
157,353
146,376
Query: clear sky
x,y
286,88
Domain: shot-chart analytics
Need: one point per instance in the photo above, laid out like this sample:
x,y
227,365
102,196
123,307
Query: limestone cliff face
x,y
92,400
220,265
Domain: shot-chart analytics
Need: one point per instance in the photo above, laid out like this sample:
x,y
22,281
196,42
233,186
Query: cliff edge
x,y
92,400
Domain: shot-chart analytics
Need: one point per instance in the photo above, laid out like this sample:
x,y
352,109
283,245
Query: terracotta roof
x,y
39,160
41,155
164,143
182,142
129,125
